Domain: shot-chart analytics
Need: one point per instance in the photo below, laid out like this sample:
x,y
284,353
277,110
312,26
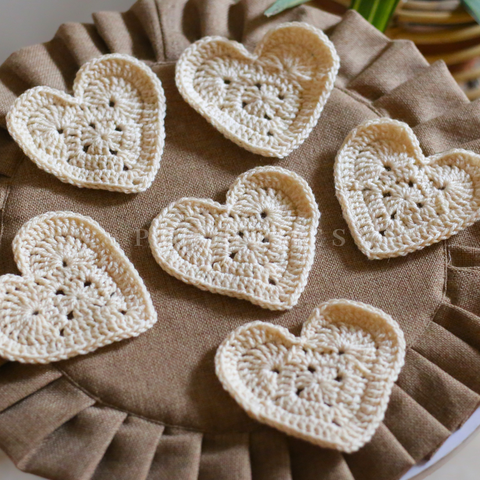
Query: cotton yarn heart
x,y
394,199
267,102
109,135
330,386
259,246
78,292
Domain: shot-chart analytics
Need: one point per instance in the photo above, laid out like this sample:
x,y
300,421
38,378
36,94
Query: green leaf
x,y
281,5
473,7
377,12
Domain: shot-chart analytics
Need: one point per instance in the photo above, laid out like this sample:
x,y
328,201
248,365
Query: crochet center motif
x,y
397,201
77,292
267,102
330,386
110,135
259,246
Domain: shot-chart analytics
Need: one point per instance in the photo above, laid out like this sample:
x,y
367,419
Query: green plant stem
x,y
377,12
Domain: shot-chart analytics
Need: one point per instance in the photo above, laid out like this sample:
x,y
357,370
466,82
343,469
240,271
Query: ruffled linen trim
x,y
51,427
42,410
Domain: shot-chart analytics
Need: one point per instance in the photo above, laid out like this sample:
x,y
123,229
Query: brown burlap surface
x,y
152,408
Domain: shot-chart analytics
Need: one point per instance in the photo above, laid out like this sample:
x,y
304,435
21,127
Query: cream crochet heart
x,y
78,292
109,135
394,199
259,246
330,386
269,101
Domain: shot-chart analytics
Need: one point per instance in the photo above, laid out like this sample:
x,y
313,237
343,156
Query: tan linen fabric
x,y
151,407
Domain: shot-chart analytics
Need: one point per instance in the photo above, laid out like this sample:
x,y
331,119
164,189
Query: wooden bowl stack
x,y
441,29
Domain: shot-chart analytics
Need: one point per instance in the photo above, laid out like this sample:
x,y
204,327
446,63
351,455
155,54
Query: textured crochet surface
x,y
269,101
259,246
394,199
78,292
330,386
109,135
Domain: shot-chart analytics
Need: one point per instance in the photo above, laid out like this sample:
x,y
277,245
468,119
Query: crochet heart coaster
x,y
78,292
109,135
395,200
330,386
259,246
269,101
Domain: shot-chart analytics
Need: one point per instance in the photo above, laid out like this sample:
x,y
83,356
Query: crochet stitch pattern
x,y
394,199
330,386
78,292
109,135
259,246
267,102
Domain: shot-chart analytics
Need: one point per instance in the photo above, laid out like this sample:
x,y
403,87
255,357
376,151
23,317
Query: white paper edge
x,y
450,444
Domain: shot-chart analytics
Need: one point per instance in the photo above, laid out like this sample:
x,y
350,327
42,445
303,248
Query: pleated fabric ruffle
x,y
51,427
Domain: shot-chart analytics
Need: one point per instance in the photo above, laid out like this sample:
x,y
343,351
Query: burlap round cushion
x,y
152,408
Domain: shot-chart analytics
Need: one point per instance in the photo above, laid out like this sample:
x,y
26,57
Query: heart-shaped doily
x,y
259,246
78,292
395,200
269,101
330,386
109,135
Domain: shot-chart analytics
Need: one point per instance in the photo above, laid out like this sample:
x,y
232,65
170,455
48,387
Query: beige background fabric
x,y
158,394
25,23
